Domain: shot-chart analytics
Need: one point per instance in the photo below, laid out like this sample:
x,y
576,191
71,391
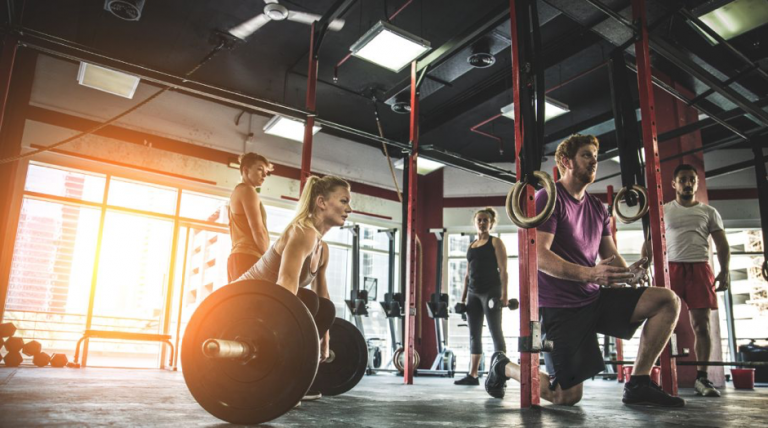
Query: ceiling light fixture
x,y
424,166
552,110
107,80
285,127
389,47
735,18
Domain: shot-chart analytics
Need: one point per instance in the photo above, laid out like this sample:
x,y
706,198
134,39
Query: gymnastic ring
x,y
513,202
643,209
765,269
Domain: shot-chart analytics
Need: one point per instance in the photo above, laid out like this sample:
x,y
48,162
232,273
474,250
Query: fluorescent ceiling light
x,y
642,155
107,80
389,47
552,110
736,18
289,128
424,166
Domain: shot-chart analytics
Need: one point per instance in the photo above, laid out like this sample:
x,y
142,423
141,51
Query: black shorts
x,y
576,355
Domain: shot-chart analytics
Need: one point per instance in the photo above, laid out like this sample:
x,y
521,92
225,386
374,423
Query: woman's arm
x,y
501,260
320,286
298,245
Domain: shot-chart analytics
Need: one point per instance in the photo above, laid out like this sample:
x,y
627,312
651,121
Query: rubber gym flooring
x,y
127,398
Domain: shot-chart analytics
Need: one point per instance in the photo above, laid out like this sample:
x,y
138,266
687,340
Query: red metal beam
x,y
412,262
529,291
653,177
306,150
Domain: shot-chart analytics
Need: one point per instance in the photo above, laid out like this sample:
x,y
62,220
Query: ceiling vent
x,y
128,10
402,104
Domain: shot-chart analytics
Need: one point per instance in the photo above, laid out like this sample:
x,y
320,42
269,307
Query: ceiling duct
x,y
127,10
402,104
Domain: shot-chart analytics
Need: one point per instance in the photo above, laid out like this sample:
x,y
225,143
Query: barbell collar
x,y
228,349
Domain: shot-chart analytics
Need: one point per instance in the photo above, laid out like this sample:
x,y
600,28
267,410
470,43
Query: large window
x,y
97,251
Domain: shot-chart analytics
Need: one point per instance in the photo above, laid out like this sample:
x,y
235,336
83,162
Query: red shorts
x,y
694,283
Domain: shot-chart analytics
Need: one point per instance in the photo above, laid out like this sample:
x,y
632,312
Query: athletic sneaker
x,y
496,382
705,388
649,395
312,395
467,380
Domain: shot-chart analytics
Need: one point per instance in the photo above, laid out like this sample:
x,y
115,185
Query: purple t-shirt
x,y
578,226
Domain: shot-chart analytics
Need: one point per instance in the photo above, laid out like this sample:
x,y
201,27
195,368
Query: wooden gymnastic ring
x,y
764,269
515,213
643,209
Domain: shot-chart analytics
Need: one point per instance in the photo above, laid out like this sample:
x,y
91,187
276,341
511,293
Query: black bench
x,y
122,335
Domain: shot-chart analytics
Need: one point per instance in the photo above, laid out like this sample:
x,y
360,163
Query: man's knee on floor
x,y
568,397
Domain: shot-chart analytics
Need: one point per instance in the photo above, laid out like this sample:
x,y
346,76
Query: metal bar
x,y
619,342
95,273
355,258
704,363
712,33
695,100
736,167
171,276
677,57
7,60
680,59
730,323
306,149
529,301
653,178
181,298
412,271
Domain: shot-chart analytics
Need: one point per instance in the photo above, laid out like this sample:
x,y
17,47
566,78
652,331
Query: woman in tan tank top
x,y
247,217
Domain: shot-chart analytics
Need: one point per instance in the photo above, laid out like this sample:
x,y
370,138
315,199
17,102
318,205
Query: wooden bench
x,y
122,335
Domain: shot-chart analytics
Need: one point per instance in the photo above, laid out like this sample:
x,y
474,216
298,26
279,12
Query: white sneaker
x,y
705,388
312,395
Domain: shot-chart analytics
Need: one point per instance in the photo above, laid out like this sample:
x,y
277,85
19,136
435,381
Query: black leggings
x,y
322,309
477,306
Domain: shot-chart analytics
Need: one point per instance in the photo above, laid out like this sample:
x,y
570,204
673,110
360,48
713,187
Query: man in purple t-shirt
x,y
579,298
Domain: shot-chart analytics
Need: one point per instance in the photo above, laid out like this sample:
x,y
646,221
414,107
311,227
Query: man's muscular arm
x,y
554,265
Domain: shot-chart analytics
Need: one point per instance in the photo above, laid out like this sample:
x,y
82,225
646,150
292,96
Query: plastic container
x,y
743,378
655,374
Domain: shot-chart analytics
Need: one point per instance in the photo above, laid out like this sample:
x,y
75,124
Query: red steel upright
x,y
653,178
306,150
412,261
529,287
619,343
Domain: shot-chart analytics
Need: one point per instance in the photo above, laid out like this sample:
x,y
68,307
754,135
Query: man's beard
x,y
686,196
585,176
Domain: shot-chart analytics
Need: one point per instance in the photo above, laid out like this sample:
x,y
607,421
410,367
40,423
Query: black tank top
x,y
483,268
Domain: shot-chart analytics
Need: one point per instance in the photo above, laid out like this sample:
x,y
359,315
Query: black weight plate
x,y
348,367
271,384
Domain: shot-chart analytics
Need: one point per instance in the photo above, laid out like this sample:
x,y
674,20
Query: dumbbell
x,y
59,360
32,348
13,359
461,308
41,359
14,344
512,304
7,329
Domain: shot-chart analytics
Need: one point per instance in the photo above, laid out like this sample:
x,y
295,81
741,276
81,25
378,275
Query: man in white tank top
x,y
689,224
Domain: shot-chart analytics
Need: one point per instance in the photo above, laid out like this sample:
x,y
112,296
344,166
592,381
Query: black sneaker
x,y
467,380
649,395
496,382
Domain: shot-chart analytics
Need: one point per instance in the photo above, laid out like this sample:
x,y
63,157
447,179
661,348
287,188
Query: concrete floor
x,y
141,397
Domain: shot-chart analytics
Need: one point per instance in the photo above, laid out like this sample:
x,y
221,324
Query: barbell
x,y
250,353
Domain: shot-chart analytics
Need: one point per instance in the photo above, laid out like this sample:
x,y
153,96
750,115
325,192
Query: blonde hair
x,y
570,146
489,211
314,187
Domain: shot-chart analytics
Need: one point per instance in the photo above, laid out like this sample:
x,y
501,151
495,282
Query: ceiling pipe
x,y
349,55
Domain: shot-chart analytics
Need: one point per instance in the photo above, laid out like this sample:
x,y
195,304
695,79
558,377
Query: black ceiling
x,y
172,36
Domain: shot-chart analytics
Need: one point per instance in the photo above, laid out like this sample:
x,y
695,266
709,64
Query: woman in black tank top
x,y
486,279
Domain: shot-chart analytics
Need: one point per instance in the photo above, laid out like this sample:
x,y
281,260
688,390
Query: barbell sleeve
x,y
227,349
